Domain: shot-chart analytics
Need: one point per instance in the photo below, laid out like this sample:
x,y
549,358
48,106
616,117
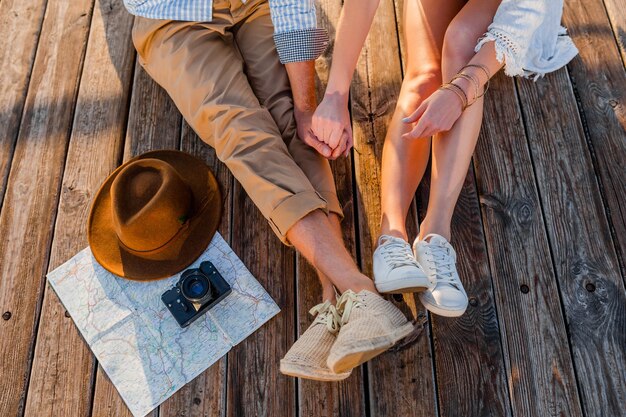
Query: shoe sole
x,y
356,355
442,311
404,286
299,371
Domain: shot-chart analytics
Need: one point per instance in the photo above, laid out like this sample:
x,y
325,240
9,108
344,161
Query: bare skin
x,y
331,121
440,39
404,161
318,236
455,131
327,253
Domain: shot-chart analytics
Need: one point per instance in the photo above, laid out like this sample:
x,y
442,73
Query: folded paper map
x,y
138,342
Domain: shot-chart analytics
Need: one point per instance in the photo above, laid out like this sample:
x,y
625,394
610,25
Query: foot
x,y
307,357
395,269
370,325
447,297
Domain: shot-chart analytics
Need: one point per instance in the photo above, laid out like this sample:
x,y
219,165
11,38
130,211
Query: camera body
x,y
197,290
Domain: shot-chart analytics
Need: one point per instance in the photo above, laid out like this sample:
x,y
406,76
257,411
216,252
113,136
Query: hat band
x,y
180,231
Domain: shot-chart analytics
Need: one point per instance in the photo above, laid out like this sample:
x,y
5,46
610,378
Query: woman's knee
x,y
418,84
459,42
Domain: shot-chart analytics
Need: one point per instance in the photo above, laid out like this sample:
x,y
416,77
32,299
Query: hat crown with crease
x,y
151,204
154,215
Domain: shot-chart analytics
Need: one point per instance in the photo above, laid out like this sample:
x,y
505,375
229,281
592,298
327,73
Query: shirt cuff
x,y
301,45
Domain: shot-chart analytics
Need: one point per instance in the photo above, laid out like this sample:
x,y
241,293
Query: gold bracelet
x,y
482,67
474,81
458,87
462,97
487,74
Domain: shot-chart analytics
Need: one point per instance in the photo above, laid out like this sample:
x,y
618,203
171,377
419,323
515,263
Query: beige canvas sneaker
x,y
369,326
307,357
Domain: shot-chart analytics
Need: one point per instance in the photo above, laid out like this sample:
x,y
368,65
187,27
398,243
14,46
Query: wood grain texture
x,y
255,385
60,383
374,93
575,291
153,123
540,372
599,83
470,366
205,396
346,398
586,266
20,25
30,203
615,11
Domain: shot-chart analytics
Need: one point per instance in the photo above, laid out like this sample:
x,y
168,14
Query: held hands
x,y
331,125
303,124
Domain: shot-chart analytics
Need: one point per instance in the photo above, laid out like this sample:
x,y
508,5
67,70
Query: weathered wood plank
x,y
615,10
205,396
20,25
374,93
590,283
539,365
599,82
62,369
470,366
32,192
255,385
153,123
346,398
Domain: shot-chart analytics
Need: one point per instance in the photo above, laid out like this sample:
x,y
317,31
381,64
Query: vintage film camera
x,y
195,293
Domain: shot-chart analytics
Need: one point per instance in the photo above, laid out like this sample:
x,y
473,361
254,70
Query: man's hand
x,y
302,80
331,124
303,123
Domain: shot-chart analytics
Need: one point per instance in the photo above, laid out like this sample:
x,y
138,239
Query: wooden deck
x,y
540,229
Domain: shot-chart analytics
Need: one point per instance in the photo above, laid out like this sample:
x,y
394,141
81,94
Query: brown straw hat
x,y
154,215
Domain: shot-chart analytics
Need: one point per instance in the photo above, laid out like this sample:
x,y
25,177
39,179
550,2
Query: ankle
x,y
395,232
357,283
439,229
328,294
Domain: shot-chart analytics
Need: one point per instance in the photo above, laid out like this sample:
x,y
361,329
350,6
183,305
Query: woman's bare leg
x,y
404,161
452,151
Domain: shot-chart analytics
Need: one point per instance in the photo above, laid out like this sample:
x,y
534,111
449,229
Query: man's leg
x,y
269,81
313,236
203,73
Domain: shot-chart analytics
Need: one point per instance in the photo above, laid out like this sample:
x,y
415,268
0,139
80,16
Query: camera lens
x,y
196,288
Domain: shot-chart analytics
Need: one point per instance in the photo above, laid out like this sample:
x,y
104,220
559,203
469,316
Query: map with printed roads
x,y
138,342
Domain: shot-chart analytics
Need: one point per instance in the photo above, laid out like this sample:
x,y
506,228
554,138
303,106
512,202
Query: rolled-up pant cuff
x,y
333,203
293,209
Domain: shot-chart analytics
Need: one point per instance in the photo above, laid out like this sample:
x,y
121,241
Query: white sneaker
x,y
395,269
438,258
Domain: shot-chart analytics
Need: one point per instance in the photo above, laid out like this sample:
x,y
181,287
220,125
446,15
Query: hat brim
x,y
117,259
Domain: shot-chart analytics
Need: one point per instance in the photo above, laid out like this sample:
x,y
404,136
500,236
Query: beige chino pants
x,y
227,81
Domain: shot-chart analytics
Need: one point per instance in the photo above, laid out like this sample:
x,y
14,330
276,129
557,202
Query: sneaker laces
x,y
443,265
396,252
327,314
348,301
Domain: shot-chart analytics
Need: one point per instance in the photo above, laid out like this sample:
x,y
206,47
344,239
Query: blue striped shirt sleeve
x,y
296,34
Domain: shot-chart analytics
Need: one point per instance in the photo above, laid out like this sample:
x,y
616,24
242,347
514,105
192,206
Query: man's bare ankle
x,y
357,284
329,295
